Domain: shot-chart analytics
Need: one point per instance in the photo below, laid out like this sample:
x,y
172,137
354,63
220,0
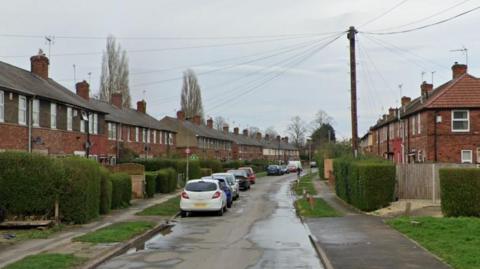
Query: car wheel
x,y
220,212
183,214
229,204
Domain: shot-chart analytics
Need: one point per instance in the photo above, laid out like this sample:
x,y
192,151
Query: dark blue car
x,y
274,170
225,187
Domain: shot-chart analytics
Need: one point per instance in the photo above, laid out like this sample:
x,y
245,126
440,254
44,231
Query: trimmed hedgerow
x,y
151,183
29,183
215,165
205,172
80,199
105,191
166,180
460,191
121,190
179,165
366,184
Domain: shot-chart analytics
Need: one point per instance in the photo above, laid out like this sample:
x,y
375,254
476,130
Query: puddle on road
x,y
283,237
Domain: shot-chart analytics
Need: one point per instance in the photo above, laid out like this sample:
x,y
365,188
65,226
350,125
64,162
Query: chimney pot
x,y
236,130
210,123
426,89
180,115
39,64
83,90
406,100
142,106
245,132
225,129
116,99
267,137
278,138
259,136
286,139
458,70
196,120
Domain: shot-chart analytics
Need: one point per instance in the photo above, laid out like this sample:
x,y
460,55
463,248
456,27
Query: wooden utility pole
x,y
353,89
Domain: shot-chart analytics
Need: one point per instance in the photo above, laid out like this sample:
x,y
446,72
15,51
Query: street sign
x,y
187,151
193,157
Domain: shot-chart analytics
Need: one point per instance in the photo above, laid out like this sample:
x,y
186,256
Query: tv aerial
x,y
464,50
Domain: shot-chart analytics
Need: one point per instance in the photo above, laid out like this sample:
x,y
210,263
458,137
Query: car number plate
x,y
200,205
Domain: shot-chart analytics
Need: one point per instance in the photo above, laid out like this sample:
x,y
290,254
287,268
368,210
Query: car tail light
x,y
185,195
216,195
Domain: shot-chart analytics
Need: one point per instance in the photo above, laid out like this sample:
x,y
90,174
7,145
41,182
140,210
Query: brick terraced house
x,y
202,140
244,146
441,125
278,149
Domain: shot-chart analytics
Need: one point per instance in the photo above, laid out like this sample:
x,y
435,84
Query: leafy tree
x,y
323,135
297,130
115,73
191,97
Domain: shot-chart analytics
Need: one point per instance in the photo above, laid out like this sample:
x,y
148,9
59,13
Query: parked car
x,y
242,178
313,164
250,173
284,169
274,170
225,187
232,182
293,166
203,195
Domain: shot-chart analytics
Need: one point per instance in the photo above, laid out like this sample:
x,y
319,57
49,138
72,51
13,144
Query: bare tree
x,y
271,132
219,122
297,130
252,131
191,98
115,73
321,118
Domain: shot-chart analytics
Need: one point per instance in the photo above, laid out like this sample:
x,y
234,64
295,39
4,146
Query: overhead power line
x,y
425,26
384,13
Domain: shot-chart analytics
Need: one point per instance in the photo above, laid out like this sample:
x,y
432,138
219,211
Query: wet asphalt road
x,y
261,230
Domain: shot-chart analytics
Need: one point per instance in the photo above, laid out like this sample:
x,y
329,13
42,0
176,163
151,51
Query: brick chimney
x,y
426,89
116,99
267,137
278,138
245,132
83,90
236,130
406,100
259,136
458,70
286,139
196,120
142,106
391,111
180,115
210,123
225,129
39,64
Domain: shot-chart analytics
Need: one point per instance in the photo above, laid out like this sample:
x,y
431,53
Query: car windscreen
x,y
201,186
238,173
272,167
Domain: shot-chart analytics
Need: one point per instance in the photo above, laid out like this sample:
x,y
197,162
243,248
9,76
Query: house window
x,y
128,133
460,121
419,129
36,112
22,110
170,138
154,137
120,131
53,116
90,123
112,131
144,135
413,125
2,106
467,156
148,135
82,126
69,118
136,134
95,123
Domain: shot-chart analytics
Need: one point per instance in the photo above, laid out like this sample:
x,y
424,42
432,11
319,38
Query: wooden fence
x,y
420,181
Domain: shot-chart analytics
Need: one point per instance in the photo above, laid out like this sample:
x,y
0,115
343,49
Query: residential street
x,y
261,230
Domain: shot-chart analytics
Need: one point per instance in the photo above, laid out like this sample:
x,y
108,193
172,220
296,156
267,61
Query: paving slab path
x,y
359,241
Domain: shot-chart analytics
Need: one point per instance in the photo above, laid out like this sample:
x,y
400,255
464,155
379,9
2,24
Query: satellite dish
x,y
84,116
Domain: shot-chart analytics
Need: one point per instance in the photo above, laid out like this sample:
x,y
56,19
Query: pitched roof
x,y
200,130
130,116
276,144
244,140
25,82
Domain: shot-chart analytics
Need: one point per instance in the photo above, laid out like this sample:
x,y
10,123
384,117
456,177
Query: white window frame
x,y
22,110
154,136
2,106
419,122
82,126
413,125
36,113
95,123
170,138
148,135
466,160
69,118
114,132
120,131
128,133
53,115
136,134
468,121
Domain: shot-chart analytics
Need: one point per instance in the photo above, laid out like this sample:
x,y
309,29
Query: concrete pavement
x,y
359,241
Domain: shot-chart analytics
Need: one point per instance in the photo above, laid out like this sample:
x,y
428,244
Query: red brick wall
x,y
13,136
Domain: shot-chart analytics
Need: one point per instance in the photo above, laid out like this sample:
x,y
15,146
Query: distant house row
x,y
441,125
38,114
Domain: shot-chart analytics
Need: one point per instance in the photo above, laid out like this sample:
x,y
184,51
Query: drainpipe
x,y
30,112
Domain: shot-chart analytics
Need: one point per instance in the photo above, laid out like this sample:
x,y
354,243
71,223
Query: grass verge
x,y
306,182
261,174
455,240
167,208
47,261
117,232
27,234
320,209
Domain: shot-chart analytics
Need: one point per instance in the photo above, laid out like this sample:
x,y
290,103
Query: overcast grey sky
x,y
321,81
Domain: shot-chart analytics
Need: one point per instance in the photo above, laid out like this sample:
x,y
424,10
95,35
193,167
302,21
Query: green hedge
x,y
166,180
179,165
205,172
151,184
80,200
366,184
105,191
215,165
29,183
121,190
460,192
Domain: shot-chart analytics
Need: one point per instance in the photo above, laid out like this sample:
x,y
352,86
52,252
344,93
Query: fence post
x,y
433,182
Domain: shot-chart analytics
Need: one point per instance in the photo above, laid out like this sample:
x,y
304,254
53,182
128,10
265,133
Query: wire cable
x,y
384,13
